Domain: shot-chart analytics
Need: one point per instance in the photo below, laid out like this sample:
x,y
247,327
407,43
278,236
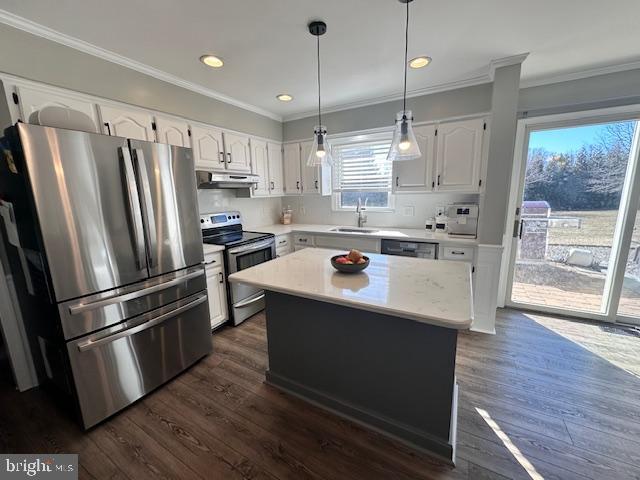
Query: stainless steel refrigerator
x,y
108,233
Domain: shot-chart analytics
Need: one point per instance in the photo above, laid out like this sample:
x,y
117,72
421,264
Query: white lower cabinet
x,y
216,289
283,244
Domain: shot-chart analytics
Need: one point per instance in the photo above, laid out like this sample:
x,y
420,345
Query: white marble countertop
x,y
410,234
208,248
436,292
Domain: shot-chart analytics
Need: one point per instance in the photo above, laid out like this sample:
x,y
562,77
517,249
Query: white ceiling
x,y
267,49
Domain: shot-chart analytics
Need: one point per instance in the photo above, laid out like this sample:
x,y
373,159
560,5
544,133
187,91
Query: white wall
x,y
254,211
318,210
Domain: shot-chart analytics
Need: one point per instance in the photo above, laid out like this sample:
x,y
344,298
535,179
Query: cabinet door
x,y
238,152
459,155
416,175
292,173
208,148
172,132
260,166
276,174
33,100
217,292
310,175
129,123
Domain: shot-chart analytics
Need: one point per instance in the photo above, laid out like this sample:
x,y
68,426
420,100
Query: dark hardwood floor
x,y
544,398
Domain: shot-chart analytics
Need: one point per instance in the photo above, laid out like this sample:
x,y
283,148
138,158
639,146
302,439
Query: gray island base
x,y
391,374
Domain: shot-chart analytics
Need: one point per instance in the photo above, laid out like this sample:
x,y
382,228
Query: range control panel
x,y
222,219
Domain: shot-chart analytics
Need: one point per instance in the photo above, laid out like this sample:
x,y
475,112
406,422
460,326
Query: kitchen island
x,y
378,347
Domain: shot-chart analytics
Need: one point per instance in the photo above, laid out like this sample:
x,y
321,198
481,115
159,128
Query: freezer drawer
x,y
88,314
115,367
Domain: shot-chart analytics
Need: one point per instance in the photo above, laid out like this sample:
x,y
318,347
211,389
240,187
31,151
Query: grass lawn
x,y
596,229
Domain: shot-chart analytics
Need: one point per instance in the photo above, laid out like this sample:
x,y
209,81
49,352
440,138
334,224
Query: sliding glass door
x,y
575,249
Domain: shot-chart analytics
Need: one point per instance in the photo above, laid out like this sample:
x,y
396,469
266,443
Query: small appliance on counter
x,y
441,224
430,225
462,220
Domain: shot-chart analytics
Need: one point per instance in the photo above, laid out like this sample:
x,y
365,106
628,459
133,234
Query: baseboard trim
x,y
416,439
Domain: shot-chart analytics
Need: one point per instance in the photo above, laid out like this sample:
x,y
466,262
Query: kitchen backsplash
x,y
411,210
255,211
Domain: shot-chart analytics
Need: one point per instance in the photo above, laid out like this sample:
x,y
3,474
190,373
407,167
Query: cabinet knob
x,y
316,184
221,157
298,185
220,277
397,181
229,159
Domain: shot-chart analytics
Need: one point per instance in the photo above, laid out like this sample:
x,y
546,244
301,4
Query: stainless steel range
x,y
242,250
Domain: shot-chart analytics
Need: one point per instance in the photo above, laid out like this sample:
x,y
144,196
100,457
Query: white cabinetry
x,y
417,175
276,174
260,167
459,155
346,243
32,100
208,147
216,289
315,180
283,244
172,131
237,151
292,172
129,123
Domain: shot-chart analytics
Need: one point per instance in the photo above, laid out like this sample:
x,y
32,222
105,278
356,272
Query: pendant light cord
x,y
319,114
406,51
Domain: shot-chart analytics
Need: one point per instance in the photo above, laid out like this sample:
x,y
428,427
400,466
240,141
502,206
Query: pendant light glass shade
x,y
321,150
404,145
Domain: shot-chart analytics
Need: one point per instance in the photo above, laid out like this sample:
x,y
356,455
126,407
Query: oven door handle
x,y
246,303
269,243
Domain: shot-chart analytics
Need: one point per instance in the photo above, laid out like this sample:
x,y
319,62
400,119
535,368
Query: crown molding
x,y
591,72
505,62
470,82
34,28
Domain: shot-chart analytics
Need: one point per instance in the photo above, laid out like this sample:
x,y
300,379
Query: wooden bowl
x,y
349,268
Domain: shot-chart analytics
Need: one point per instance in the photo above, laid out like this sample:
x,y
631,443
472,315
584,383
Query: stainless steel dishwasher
x,y
410,249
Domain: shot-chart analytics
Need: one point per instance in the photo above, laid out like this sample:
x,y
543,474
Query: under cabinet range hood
x,y
206,179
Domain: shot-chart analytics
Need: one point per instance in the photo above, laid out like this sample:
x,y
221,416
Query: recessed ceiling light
x,y
211,61
284,97
419,62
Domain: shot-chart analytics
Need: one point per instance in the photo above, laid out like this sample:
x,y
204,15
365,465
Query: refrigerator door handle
x,y
100,340
134,208
83,307
147,205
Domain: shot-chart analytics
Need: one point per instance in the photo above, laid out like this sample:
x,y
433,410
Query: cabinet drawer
x,y
303,239
213,259
457,253
283,241
280,252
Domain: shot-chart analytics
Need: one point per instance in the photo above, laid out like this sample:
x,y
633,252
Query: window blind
x,y
362,167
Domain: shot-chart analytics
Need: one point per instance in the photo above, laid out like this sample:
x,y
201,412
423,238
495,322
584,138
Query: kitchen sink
x,y
352,230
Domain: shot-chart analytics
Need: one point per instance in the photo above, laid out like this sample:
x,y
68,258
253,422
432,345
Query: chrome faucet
x,y
362,217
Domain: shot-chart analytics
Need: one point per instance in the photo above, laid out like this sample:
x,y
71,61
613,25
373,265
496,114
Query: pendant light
x,y
321,150
404,145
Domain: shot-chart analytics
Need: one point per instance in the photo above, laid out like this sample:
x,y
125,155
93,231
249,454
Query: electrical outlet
x,y
408,211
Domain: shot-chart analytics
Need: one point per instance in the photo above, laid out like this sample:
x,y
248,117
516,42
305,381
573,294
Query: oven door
x,y
245,299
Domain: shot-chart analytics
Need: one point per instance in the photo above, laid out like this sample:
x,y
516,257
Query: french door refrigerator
x,y
109,231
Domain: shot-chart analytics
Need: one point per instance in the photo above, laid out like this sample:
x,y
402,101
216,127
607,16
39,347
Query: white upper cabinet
x,y
129,123
417,175
276,174
172,131
259,162
315,180
459,155
292,172
237,151
32,100
208,147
